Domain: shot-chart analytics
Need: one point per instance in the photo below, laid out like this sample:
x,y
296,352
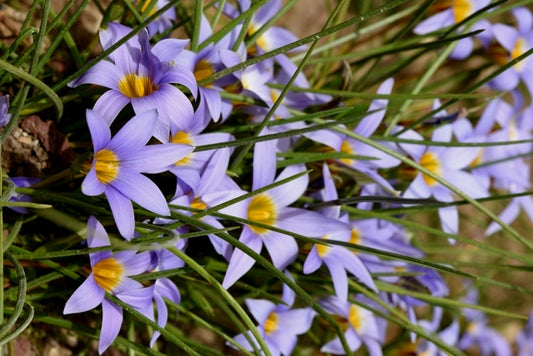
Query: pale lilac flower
x,y
163,260
338,259
456,12
447,163
279,325
516,42
478,335
213,187
502,122
162,23
189,168
359,324
271,208
448,335
366,127
142,76
110,274
205,63
4,107
118,163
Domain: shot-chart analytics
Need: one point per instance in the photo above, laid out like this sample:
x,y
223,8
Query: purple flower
x,y
118,163
447,163
22,182
161,23
359,324
213,187
189,168
271,208
279,325
204,64
142,76
516,42
110,274
338,259
449,335
4,107
366,127
455,13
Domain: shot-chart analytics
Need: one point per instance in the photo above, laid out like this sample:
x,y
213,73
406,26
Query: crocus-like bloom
x,y
447,163
279,325
479,334
204,64
213,184
516,42
455,12
118,162
338,259
271,208
110,274
449,335
142,76
359,324
163,22
4,107
366,127
189,168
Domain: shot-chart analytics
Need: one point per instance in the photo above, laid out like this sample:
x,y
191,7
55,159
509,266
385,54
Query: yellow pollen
x,y
519,48
262,42
462,9
262,210
186,139
145,5
197,203
108,273
274,95
271,323
430,162
478,160
252,28
347,148
203,70
106,166
135,86
355,237
472,328
355,318
321,249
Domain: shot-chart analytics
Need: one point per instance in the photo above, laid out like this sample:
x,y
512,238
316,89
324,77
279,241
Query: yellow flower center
x,y
271,323
108,273
346,147
262,42
321,249
186,139
106,166
462,9
430,162
520,48
135,86
262,210
203,70
197,203
355,317
145,5
355,237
